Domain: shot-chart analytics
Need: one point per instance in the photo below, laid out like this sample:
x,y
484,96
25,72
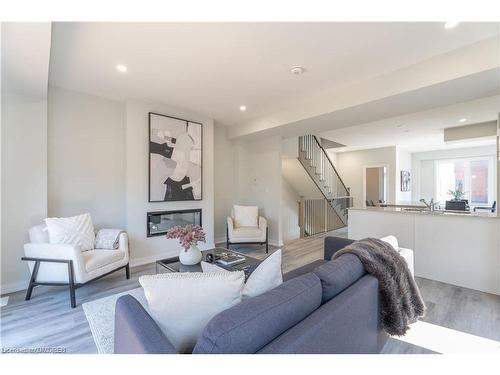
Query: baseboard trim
x,y
271,242
13,287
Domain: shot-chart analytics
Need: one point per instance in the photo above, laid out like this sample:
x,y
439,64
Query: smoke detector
x,y
297,70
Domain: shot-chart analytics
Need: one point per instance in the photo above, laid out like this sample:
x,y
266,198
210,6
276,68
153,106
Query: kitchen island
x,y
460,248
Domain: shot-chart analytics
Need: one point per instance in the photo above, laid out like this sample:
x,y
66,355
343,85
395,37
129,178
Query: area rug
x,y
101,317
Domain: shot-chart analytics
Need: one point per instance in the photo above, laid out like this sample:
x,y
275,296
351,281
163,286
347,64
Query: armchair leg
x,y
71,284
127,271
32,281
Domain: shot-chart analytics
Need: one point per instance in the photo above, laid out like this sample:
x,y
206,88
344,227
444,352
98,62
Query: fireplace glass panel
x,y
160,222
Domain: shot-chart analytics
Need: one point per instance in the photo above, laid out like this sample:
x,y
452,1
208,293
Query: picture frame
x,y
175,170
405,181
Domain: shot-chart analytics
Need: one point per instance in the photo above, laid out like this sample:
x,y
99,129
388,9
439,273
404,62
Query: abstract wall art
x,y
175,159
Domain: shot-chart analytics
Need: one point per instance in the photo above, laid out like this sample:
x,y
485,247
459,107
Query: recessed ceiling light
x,y
243,108
297,70
450,24
462,119
121,68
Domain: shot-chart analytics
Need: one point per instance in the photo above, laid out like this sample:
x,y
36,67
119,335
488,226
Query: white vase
x,y
191,256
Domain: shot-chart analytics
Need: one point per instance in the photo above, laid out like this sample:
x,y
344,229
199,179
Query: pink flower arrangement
x,y
188,235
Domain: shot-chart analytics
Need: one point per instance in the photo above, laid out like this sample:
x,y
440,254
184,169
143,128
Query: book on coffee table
x,y
230,259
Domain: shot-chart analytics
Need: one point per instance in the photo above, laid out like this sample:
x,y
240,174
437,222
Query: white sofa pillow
x,y
75,230
265,277
246,216
183,303
391,240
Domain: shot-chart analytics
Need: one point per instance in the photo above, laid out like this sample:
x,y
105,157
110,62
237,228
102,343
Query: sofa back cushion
x,y
339,274
252,324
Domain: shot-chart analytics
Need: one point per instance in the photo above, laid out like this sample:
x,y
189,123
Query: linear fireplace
x,y
158,223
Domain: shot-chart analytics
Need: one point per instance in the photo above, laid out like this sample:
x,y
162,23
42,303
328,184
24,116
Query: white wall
x,y
289,212
143,249
86,164
258,179
423,167
403,163
224,184
350,167
24,181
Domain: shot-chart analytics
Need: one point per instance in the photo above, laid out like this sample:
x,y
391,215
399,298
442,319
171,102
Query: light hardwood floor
x,y
48,321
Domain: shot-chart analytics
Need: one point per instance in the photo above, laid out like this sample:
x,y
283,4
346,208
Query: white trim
x,y
271,242
276,243
387,174
14,287
220,240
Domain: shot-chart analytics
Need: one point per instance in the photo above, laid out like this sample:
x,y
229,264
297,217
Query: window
x,y
474,177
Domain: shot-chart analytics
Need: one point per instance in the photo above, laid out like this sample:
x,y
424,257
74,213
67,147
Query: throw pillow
x,y
76,230
391,240
265,277
246,216
183,303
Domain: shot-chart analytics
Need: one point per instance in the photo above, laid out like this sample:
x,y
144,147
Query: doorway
x,y
375,184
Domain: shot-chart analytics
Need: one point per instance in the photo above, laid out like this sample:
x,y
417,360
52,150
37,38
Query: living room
x,y
142,161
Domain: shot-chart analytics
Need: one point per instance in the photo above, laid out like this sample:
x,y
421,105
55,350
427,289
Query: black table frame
x,y
251,261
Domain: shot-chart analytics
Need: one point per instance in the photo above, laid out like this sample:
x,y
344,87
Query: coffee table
x,y
173,264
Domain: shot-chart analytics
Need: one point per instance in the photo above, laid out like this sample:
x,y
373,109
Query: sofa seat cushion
x,y
252,324
243,234
95,259
339,274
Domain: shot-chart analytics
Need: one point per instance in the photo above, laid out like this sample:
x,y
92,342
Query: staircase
x,y
336,195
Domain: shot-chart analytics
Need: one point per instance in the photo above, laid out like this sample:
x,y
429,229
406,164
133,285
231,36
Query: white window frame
x,y
492,178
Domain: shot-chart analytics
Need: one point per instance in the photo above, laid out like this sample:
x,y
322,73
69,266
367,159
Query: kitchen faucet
x,y
429,205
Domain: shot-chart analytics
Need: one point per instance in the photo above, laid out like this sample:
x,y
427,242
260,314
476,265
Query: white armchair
x,y
245,226
62,264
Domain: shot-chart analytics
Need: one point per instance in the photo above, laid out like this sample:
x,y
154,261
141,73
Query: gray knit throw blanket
x,y
400,301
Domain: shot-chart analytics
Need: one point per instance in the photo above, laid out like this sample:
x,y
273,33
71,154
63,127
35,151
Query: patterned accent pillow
x,y
76,230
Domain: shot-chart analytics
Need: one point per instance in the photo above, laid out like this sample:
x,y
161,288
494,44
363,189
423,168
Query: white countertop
x,y
484,214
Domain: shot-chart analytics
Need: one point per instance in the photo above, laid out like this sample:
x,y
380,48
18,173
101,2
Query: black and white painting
x,y
405,181
175,159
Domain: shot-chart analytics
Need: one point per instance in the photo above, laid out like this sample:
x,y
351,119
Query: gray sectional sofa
x,y
324,307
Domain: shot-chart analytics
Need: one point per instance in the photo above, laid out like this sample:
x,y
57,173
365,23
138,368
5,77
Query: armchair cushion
x,y
248,234
95,259
76,230
246,216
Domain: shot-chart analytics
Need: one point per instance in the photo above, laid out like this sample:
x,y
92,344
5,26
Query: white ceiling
x,y
421,131
213,68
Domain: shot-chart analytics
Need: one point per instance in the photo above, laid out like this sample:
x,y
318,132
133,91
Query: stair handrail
x,y
335,169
